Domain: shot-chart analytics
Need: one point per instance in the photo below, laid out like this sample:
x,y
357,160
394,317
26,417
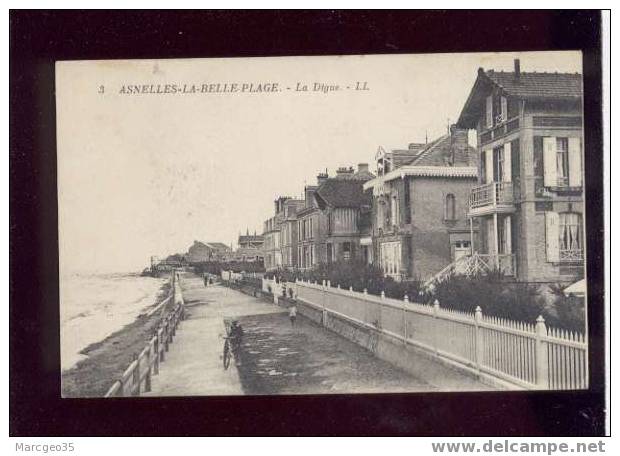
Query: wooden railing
x,y
492,194
520,354
137,377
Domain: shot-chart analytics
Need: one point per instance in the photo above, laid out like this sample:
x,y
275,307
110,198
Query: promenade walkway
x,y
277,358
193,364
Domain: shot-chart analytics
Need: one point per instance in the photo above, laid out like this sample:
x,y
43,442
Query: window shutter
x,y
507,171
550,161
504,108
574,162
489,111
489,165
552,232
507,235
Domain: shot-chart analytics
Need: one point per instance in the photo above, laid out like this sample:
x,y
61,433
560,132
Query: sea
x,y
93,306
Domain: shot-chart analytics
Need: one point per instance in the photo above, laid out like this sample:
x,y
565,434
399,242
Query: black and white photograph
x,y
265,223
317,225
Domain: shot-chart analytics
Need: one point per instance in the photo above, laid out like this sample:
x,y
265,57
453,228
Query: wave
x,y
93,306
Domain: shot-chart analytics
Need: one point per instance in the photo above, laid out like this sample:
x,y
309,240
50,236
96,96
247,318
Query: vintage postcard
x,y
321,225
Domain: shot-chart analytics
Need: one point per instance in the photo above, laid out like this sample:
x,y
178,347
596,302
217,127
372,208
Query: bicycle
x,y
231,344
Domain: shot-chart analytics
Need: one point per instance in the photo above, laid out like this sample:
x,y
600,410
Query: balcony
x,y
496,197
569,256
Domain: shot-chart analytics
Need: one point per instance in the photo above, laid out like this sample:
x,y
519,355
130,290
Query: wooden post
x,y
324,304
136,376
147,379
380,322
479,353
471,235
542,355
406,301
436,329
166,335
366,304
495,237
156,359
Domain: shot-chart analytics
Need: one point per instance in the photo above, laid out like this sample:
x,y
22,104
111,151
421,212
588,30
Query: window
x,y
390,257
562,161
570,243
407,198
346,251
394,215
498,164
450,207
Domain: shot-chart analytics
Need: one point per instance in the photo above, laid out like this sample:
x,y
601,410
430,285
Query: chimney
x,y
344,172
321,177
459,146
362,167
517,69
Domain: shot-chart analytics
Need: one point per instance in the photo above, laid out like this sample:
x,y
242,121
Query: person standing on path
x,y
292,314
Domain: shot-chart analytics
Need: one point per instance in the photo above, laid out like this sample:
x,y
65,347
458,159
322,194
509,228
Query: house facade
x,y
311,225
288,232
345,209
280,234
419,206
529,199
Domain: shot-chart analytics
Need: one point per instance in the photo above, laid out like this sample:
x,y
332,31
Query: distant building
x,y
420,202
529,198
201,252
272,247
289,233
250,248
250,241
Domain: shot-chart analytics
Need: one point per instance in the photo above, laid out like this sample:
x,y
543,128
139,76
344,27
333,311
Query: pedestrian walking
x,y
292,314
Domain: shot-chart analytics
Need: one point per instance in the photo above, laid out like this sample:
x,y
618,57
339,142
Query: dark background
x,y
38,38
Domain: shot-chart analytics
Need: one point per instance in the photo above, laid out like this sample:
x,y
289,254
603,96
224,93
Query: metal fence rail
x,y
525,355
137,377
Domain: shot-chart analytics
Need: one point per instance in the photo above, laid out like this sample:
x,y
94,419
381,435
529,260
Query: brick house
x,y
419,206
529,198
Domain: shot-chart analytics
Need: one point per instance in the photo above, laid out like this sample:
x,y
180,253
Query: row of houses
x,y
513,203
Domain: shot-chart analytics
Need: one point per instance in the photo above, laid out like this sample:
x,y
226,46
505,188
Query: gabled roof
x,y
528,86
538,85
218,245
342,193
250,238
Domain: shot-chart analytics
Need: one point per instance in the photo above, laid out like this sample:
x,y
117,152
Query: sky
x,y
147,174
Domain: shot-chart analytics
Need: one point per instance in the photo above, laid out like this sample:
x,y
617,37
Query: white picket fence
x,y
529,356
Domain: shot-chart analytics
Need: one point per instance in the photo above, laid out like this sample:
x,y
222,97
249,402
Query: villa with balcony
x,y
528,204
419,206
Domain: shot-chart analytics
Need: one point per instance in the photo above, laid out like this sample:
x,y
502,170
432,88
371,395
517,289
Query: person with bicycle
x,y
232,342
235,335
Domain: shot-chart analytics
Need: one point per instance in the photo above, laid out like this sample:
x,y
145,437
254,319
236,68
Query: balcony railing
x,y
495,194
476,264
571,255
